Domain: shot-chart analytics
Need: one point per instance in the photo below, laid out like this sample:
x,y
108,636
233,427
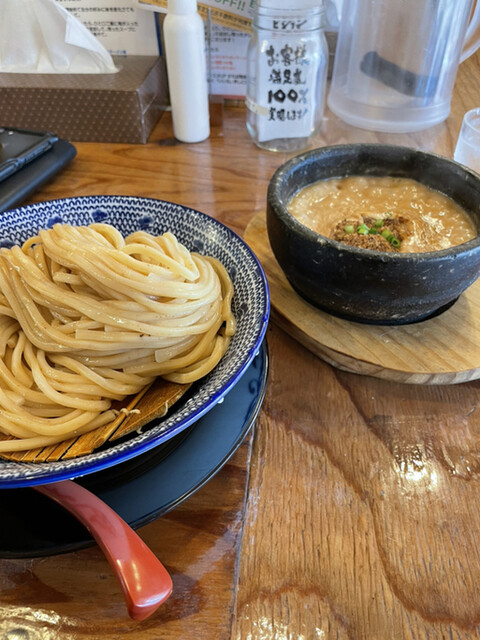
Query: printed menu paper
x,y
236,14
120,25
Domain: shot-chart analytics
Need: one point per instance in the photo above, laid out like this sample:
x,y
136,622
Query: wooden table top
x,y
352,512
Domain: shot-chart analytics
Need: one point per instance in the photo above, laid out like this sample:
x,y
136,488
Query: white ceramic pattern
x,y
198,232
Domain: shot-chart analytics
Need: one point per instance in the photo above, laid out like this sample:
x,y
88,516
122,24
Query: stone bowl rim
x,y
278,204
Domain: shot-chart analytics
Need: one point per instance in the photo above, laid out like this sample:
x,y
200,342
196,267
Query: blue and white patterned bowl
x,y
198,232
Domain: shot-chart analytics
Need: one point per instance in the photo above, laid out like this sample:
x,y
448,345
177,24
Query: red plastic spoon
x,y
144,580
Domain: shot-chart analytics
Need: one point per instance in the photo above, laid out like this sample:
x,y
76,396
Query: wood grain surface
x,y
354,511
441,350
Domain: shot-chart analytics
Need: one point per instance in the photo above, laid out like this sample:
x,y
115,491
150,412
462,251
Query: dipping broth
x,y
383,213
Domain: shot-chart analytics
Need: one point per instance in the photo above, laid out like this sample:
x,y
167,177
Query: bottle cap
x,y
182,7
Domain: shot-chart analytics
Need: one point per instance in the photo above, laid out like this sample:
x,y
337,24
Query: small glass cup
x,y
467,151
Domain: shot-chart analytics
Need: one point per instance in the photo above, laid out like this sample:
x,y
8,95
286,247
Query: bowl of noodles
x,y
102,297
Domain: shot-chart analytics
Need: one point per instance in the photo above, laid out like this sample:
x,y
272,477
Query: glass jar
x,y
287,63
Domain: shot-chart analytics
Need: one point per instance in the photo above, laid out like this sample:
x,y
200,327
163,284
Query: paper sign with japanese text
x,y
120,25
236,14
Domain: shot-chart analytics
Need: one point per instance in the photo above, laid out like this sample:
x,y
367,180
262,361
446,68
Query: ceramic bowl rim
x,y
15,474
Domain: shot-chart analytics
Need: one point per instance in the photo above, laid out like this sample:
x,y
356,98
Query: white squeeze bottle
x,y
184,40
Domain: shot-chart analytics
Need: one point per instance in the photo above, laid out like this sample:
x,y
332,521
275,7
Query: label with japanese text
x,y
285,98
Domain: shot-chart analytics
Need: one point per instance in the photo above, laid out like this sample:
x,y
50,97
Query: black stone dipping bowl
x,y
368,286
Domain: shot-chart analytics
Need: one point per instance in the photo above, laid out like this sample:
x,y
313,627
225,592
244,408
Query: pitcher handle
x,y
472,36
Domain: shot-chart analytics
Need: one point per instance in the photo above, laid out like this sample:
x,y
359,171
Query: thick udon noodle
x,y
88,317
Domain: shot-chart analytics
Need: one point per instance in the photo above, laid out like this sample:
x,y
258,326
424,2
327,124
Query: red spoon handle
x,y
144,580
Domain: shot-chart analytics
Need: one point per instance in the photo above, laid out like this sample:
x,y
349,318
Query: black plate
x,y
142,489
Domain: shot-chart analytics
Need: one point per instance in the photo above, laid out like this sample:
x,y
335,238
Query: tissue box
x,y
117,107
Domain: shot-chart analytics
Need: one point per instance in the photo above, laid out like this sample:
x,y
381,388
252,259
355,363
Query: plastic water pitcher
x,y
396,61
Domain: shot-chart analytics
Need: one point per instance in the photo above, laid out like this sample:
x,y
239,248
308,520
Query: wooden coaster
x,y
442,350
